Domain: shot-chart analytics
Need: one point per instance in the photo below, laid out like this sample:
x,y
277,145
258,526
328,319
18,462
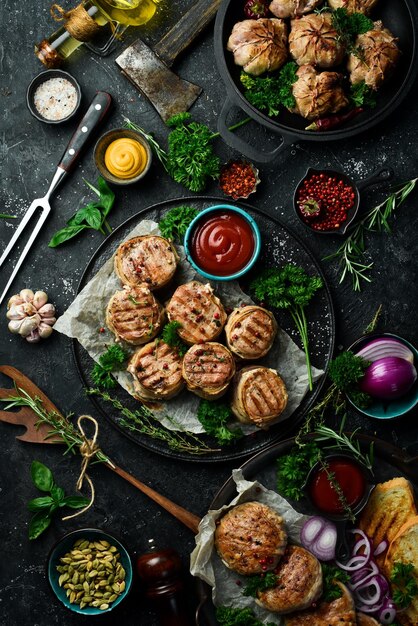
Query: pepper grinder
x,y
159,571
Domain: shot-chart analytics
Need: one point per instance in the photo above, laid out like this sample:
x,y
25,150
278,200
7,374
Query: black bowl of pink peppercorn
x,y
327,201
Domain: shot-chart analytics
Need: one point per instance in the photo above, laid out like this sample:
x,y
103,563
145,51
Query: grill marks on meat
x,y
134,315
259,397
156,369
208,369
314,41
299,584
250,538
339,612
250,332
198,310
149,260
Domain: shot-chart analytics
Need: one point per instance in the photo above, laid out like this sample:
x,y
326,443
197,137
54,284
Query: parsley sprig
x,y
271,93
293,468
404,585
110,361
331,573
171,337
259,582
290,288
214,416
348,27
230,616
351,253
176,221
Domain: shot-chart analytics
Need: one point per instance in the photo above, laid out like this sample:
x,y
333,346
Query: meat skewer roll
x,y
250,331
156,370
260,396
208,369
198,310
149,260
134,315
250,538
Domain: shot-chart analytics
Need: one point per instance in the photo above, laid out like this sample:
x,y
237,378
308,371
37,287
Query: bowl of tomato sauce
x,y
223,242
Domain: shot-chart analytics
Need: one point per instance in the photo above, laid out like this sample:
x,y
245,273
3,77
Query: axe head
x,y
168,93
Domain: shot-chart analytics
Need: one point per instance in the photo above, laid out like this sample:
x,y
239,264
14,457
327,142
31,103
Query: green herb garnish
x,y
272,92
348,27
6,216
171,337
110,361
404,584
289,288
293,468
259,582
331,573
214,416
176,221
350,254
362,95
228,616
345,371
45,506
92,216
142,420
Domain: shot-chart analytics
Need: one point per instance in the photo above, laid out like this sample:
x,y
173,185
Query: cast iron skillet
x,y
401,17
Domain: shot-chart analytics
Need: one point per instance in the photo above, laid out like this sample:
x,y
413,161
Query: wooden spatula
x,y
37,434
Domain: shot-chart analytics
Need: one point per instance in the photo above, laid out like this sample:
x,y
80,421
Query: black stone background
x,y
29,153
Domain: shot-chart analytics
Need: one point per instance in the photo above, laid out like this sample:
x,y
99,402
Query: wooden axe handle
x,y
187,29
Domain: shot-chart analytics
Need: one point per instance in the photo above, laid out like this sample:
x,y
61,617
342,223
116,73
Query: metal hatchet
x,y
149,70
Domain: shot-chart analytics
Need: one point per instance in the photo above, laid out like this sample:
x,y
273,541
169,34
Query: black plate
x,y
389,461
279,245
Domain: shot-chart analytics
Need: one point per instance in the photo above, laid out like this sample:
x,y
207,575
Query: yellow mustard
x,y
125,158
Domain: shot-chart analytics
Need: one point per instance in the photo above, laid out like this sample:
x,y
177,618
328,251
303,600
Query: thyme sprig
x,y
337,488
351,253
61,427
143,421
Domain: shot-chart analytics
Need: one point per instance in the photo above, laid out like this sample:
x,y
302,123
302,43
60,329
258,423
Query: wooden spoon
x,y
38,434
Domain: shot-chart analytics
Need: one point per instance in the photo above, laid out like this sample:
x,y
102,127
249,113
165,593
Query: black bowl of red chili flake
x,y
238,179
326,201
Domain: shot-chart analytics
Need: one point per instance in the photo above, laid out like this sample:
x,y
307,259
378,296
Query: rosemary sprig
x,y
159,152
143,421
350,254
344,442
337,488
60,426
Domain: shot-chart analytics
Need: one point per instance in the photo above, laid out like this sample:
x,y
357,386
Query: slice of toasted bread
x,y
390,505
404,549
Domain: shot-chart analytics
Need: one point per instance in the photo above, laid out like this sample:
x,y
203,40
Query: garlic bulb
x,y
30,315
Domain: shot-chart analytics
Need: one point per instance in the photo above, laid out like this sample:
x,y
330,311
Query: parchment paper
x,y
87,314
206,564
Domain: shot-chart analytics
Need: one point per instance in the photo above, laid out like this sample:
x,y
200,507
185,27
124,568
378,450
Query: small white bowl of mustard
x,y
122,156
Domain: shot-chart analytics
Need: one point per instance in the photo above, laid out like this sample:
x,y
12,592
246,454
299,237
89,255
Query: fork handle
x,y
97,110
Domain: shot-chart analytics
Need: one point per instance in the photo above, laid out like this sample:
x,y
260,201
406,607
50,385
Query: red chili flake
x,y
102,329
165,366
238,179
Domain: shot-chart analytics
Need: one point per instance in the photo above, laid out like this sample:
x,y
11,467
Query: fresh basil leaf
x,y
66,233
41,476
80,216
92,216
38,523
57,493
75,502
107,197
40,503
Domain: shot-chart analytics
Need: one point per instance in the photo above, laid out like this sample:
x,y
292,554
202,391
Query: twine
x,y
88,450
78,22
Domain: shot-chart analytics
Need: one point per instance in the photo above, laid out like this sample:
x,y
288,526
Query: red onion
x,y
388,378
319,536
381,348
388,612
380,548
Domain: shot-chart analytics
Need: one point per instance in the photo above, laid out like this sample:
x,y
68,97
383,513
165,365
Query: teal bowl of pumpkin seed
x,y
90,571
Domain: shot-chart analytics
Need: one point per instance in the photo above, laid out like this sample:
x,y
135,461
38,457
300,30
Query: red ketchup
x,y
223,244
350,478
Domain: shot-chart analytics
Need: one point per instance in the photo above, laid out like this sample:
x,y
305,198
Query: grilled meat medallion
x,y
339,612
299,582
250,331
250,538
149,260
198,310
259,397
134,315
156,370
207,369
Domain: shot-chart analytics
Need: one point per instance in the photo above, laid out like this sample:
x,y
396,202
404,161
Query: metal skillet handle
x,y
242,146
380,176
98,108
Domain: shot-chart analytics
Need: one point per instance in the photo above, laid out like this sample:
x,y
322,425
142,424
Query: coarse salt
x,y
55,99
